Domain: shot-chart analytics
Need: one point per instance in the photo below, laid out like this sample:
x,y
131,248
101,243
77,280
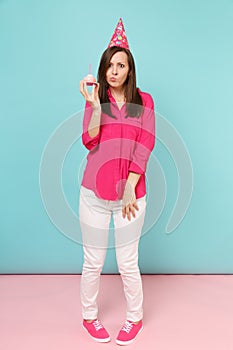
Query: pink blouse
x,y
122,145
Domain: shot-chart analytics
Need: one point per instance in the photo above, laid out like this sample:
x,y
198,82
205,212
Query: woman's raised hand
x,y
93,97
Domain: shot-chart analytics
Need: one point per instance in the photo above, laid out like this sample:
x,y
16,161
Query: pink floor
x,y
181,312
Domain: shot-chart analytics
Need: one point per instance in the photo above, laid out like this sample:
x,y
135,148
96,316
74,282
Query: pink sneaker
x,y
96,331
128,333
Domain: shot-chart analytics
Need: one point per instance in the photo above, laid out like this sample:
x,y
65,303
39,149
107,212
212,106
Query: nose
x,y
114,70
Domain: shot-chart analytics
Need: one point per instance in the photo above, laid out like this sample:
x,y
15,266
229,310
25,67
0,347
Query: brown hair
x,y
133,98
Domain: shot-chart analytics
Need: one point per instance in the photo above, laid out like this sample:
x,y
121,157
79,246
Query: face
x,y
117,72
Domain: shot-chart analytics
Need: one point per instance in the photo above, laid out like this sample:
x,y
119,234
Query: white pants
x,y
95,215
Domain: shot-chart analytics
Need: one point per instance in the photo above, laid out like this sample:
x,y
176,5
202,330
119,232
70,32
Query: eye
x,y
121,65
110,65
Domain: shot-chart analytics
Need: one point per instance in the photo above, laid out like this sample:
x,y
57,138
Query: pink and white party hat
x,y
119,37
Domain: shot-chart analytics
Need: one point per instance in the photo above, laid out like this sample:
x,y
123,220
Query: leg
x,y
127,235
90,280
94,222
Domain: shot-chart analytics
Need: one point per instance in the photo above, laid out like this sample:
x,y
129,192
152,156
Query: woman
x,y
119,132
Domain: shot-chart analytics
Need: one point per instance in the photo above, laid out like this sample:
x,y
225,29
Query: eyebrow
x,y
118,62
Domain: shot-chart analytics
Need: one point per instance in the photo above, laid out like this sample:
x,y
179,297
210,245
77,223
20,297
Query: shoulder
x,y
147,99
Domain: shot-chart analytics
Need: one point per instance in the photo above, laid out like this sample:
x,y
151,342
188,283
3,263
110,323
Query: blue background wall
x,y
184,54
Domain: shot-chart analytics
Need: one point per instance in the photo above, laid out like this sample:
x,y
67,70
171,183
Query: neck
x,y
118,94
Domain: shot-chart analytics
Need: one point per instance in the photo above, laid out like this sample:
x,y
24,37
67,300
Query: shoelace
x,y
127,327
97,325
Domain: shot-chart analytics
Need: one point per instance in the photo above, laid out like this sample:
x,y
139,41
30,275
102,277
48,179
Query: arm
x,y
146,141
91,127
94,125
142,151
92,117
133,179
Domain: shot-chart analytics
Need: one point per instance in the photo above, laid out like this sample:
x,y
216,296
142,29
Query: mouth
x,y
113,79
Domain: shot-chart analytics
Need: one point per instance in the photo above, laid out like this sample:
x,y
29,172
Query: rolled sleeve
x,y
146,141
89,142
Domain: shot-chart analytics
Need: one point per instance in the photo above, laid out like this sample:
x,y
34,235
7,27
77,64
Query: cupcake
x,y
90,80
